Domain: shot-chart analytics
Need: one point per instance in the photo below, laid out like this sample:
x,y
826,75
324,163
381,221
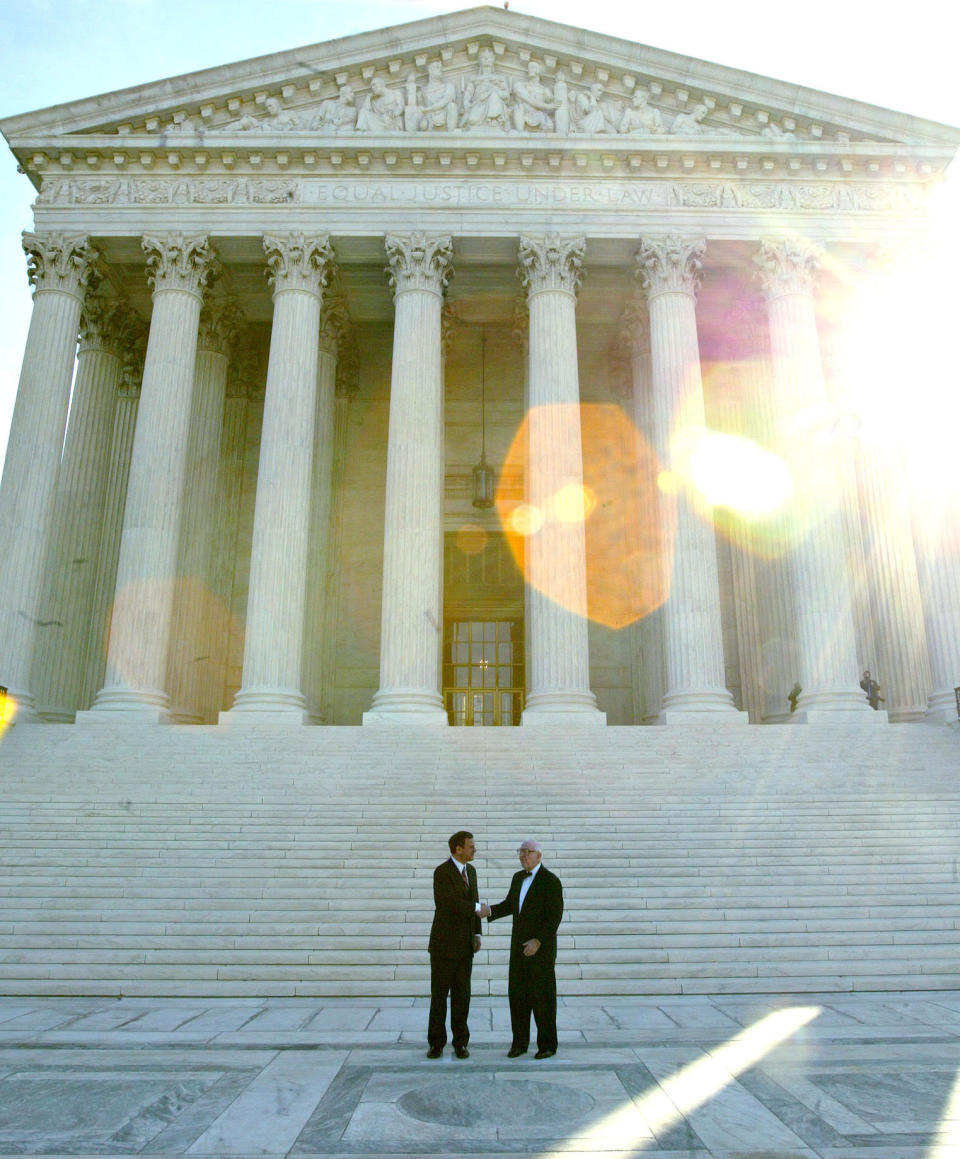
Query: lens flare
x,y
8,711
524,520
736,473
619,509
573,503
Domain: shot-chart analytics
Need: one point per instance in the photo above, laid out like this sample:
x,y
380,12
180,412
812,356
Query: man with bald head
x,y
535,902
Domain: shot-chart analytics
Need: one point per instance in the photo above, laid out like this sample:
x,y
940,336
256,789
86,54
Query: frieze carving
x,y
551,262
57,261
671,264
177,261
298,261
854,196
788,266
418,261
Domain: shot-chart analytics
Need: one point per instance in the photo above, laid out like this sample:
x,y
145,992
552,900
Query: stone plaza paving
x,y
841,1076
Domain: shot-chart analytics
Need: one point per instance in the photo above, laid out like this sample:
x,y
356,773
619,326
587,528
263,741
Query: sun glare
x,y
735,472
677,1096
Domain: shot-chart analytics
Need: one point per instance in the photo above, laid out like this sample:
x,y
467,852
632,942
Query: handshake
x,y
485,911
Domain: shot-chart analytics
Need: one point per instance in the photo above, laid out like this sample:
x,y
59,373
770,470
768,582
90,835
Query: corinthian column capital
x,y
298,261
106,324
418,261
670,265
58,261
633,327
178,261
551,262
220,319
334,322
788,266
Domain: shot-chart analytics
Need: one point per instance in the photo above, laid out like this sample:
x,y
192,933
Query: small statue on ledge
x,y
793,696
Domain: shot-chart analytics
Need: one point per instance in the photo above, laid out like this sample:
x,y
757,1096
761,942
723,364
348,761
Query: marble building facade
x,y
307,286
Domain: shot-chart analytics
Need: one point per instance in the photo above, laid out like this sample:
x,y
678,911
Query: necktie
x,y
528,873
466,880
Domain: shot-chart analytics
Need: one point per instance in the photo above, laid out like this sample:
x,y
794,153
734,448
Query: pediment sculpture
x,y
484,99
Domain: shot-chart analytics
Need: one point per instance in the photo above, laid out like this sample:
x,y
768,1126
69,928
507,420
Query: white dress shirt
x,y
525,886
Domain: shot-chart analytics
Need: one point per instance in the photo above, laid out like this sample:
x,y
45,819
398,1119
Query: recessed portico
x,y
676,275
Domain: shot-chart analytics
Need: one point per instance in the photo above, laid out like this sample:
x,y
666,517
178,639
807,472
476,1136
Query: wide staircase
x,y
214,861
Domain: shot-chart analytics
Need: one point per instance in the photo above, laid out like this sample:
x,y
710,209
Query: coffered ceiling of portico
x,y
483,90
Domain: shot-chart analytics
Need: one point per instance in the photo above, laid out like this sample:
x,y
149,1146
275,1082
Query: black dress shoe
x,y
435,1052
516,1051
545,1054
461,1052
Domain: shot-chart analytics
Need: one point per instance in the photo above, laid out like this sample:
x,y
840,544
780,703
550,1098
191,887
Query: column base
x,y
564,706
712,717
127,706
253,706
252,717
412,706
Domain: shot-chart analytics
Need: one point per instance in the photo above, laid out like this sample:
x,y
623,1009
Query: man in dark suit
x,y
454,939
536,902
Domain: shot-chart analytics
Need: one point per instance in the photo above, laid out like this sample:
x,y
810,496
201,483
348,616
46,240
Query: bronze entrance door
x,y
483,652
483,672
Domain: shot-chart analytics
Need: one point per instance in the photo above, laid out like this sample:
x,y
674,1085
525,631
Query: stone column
x,y
61,268
115,495
900,661
937,538
334,322
411,616
241,384
635,335
178,269
106,327
669,270
196,620
826,644
272,688
558,653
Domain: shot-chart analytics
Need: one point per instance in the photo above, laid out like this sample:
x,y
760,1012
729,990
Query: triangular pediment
x,y
483,72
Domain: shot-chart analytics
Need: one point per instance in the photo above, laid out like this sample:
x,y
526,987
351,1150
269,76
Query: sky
x,y
63,50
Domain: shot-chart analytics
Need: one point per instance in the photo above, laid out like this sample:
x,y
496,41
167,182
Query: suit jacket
x,y
540,916
455,919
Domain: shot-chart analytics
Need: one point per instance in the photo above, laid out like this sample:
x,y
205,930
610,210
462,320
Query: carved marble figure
x,y
277,119
533,102
593,114
640,117
690,124
382,110
337,113
438,100
485,96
